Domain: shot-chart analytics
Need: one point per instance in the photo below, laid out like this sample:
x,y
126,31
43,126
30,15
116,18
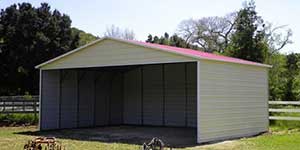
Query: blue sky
x,y
159,16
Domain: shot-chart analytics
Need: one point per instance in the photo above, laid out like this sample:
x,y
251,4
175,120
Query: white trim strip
x,y
285,102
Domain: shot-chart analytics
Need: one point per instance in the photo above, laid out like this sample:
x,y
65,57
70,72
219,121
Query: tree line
x,y
29,36
244,34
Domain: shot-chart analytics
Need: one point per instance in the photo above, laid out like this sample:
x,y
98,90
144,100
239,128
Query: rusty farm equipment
x,y
43,143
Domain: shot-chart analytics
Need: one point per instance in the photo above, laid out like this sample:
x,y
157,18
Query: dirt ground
x,y
171,136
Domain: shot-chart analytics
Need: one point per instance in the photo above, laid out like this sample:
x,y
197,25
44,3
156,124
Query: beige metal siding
x,y
49,100
69,99
233,100
113,53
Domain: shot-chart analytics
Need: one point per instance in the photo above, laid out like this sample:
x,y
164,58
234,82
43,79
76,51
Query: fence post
x,y
24,106
3,106
13,106
34,109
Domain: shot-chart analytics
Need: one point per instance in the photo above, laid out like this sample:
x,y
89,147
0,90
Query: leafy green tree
x,y
173,40
292,91
84,38
248,41
296,87
277,77
28,37
149,39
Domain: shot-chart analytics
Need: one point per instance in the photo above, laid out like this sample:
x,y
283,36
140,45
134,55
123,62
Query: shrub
x,y
18,119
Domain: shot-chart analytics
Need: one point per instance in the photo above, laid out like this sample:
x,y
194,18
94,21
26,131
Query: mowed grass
x,y
13,138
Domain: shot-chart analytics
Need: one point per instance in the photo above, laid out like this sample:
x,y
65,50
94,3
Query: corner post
x,y
40,100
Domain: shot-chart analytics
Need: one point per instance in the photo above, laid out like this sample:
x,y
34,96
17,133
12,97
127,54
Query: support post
x,y
34,109
24,106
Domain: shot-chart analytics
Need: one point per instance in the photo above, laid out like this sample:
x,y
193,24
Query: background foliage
x,y
30,35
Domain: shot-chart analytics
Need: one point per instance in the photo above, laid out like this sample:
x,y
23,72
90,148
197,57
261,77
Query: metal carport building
x,y
123,82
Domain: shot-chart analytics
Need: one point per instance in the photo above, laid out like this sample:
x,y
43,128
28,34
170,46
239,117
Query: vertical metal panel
x,y
152,95
116,99
191,94
142,95
102,98
69,100
59,97
78,96
50,100
86,99
163,95
175,95
186,96
132,97
198,103
233,100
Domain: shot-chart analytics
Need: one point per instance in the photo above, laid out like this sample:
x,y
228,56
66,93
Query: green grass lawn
x,y
12,138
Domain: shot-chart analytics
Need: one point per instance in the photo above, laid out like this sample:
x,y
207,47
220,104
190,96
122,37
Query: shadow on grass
x,y
172,137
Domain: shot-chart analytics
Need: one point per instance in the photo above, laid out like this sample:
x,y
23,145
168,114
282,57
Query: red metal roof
x,y
198,54
182,51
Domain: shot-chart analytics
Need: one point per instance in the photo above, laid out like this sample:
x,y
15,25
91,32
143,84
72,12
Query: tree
x,y
114,31
174,40
28,37
248,42
296,87
293,82
277,77
84,38
277,37
210,33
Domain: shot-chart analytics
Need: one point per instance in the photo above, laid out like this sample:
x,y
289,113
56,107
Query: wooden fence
x,y
284,110
19,104
30,104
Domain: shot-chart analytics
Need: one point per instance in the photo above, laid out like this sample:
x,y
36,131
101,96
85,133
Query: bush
x,y
18,119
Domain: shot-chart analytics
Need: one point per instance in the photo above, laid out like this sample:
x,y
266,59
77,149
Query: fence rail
x,y
30,104
19,104
284,110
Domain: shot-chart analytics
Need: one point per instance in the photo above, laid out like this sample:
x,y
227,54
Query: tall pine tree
x,y
248,41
